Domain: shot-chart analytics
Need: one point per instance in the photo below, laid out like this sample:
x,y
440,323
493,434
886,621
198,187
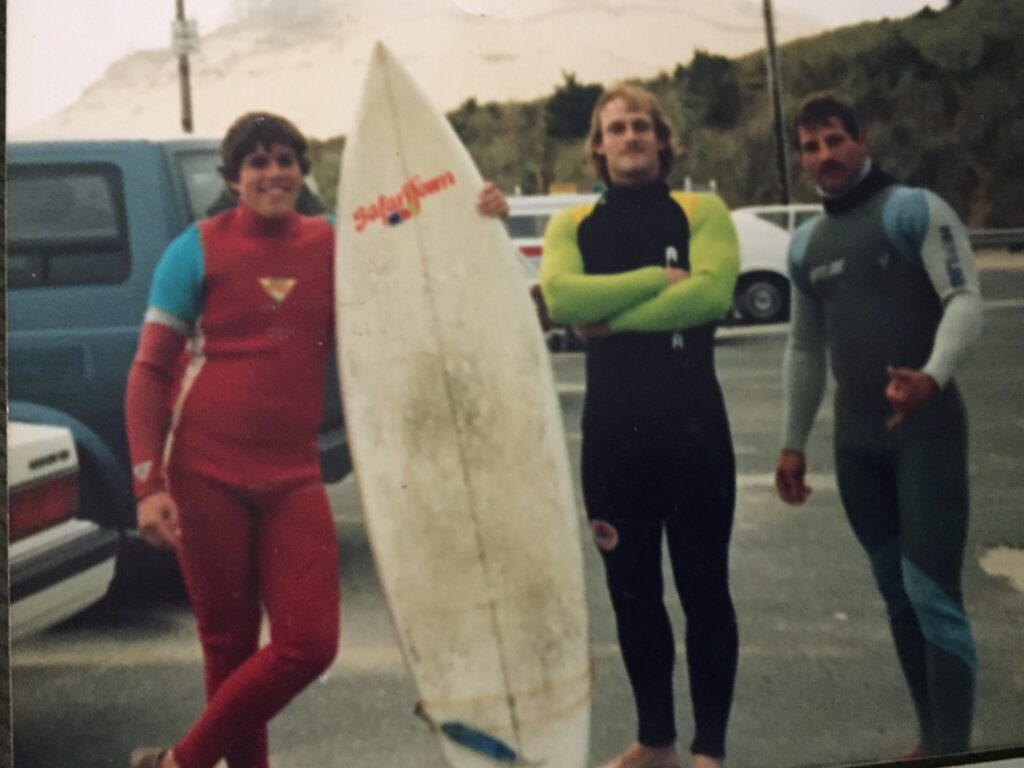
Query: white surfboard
x,y
457,442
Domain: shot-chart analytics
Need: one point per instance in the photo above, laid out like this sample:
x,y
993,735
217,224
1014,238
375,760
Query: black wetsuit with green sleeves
x,y
657,453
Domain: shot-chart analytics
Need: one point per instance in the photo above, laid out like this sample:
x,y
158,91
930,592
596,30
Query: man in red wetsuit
x,y
225,455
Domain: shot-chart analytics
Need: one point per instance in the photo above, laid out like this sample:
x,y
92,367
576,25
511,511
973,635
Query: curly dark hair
x,y
821,106
259,129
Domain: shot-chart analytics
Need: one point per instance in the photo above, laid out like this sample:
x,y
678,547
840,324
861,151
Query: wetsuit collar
x,y
630,192
253,223
872,179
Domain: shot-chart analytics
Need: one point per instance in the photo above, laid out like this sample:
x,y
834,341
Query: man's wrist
x,y
934,378
151,487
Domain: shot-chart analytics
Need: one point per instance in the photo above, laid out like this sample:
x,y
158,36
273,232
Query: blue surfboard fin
x,y
475,740
479,742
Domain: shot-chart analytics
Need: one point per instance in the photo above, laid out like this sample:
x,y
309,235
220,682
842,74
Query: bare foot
x,y
914,752
704,761
639,756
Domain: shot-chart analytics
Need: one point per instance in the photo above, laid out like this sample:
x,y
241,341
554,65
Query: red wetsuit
x,y
233,439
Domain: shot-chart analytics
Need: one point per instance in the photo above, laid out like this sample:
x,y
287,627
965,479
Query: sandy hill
x,y
310,66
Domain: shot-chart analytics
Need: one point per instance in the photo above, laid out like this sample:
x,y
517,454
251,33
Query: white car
x,y
58,563
762,290
788,217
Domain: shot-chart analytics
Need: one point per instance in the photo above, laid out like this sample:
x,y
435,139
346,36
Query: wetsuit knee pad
x,y
941,615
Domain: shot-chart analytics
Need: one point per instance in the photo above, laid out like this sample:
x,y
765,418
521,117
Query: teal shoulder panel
x,y
178,280
905,221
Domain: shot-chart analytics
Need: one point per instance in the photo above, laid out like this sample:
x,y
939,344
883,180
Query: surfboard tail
x,y
476,740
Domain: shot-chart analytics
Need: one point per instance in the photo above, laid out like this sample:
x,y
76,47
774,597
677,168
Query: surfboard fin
x,y
475,740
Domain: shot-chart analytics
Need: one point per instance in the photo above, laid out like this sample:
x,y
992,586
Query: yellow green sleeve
x,y
575,297
707,293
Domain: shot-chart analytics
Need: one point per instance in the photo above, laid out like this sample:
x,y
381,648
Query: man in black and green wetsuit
x,y
885,281
644,274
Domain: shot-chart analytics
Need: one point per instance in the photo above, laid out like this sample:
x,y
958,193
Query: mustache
x,y
831,165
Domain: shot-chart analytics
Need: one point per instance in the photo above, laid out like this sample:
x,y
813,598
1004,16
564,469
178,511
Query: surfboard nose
x,y
381,55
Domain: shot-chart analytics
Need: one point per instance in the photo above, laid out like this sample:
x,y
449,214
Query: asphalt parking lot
x,y
818,681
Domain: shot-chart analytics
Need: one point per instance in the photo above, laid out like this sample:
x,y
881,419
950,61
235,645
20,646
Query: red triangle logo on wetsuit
x,y
278,288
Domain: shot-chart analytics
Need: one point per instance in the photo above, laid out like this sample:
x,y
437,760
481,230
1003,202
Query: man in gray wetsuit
x,y
886,282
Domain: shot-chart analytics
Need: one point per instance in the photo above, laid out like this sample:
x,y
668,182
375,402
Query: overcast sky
x,y
56,48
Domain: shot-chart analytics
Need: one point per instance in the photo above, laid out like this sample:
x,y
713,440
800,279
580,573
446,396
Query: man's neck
x,y
634,183
864,171
871,181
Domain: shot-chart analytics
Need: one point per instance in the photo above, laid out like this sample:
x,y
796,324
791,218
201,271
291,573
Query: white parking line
x,y
779,329
1004,304
360,658
126,656
776,329
826,482
739,331
1006,563
611,651
991,259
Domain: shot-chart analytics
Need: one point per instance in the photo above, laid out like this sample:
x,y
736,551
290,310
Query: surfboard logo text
x,y
392,210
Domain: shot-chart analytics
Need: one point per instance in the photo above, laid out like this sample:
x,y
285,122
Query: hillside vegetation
x,y
941,95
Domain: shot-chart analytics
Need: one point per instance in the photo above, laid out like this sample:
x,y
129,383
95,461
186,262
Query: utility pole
x,y
775,83
185,40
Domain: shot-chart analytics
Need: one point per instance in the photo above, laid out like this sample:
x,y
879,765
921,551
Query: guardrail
x,y
998,238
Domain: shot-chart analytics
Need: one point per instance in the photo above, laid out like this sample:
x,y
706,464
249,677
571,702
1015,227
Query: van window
x,y
65,225
203,182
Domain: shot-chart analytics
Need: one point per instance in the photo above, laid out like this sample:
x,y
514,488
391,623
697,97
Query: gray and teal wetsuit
x,y
657,453
886,277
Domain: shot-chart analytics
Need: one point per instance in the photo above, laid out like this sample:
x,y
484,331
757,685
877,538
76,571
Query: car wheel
x,y
554,340
763,299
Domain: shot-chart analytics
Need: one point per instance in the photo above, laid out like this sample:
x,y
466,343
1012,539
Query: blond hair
x,y
640,99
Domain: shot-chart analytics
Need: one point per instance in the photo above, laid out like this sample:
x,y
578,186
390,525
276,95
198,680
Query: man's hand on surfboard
x,y
491,201
158,520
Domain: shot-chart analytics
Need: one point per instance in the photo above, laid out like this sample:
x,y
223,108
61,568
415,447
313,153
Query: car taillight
x,y
42,505
530,250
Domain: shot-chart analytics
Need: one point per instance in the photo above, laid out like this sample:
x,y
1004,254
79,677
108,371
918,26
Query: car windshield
x,y
802,216
203,182
527,225
778,218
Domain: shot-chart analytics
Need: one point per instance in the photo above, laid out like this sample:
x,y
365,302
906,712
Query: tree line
x,y
941,96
